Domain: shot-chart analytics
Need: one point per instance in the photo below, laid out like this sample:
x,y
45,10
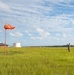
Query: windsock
x,y
8,26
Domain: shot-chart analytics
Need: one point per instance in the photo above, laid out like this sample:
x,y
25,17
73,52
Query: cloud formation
x,y
39,20
16,34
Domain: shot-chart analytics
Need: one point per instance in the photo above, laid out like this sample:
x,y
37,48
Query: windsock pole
x,y
5,43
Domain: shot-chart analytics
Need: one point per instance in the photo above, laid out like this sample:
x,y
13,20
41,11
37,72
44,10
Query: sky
x,y
37,22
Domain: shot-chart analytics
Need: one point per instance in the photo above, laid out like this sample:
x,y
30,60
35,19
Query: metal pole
x,y
5,43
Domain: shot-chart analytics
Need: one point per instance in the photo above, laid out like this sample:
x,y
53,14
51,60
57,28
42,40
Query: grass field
x,y
37,61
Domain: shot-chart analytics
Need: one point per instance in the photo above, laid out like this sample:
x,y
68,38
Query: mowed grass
x,y
37,61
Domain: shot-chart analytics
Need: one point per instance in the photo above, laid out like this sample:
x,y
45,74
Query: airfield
x,y
37,61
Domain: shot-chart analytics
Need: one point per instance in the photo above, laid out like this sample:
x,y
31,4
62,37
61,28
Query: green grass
x,y
37,61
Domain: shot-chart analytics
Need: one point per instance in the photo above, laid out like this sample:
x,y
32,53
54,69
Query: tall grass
x,y
37,61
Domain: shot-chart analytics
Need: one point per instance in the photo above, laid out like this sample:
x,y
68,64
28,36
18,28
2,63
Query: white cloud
x,y
36,38
43,33
28,33
40,34
4,6
16,34
58,1
64,35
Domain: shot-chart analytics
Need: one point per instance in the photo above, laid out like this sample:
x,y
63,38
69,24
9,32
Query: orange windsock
x,y
8,26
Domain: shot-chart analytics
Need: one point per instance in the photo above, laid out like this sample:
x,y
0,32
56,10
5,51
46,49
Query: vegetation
x,y
37,61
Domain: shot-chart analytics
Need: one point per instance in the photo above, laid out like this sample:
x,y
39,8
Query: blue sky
x,y
38,22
